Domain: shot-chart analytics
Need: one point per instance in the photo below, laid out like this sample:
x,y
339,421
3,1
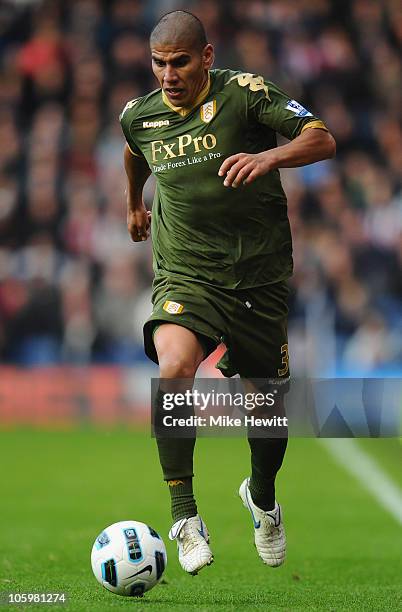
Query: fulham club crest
x,y
208,111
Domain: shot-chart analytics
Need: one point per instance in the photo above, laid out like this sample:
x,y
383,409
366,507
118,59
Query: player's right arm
x,y
138,218
138,171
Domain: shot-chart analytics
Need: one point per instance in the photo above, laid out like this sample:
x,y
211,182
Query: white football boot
x,y
192,542
269,532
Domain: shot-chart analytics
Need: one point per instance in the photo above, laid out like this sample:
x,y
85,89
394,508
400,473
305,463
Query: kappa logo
x,y
175,483
173,307
155,124
129,105
208,111
253,82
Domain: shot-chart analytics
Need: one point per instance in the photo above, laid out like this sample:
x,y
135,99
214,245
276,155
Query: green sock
x,y
266,459
176,457
182,498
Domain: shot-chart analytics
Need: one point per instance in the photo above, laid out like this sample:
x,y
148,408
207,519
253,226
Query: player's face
x,y
182,72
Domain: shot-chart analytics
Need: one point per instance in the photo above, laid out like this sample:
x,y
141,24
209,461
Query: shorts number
x,y
285,360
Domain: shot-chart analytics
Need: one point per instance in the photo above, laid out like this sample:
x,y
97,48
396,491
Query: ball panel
x,y
133,551
138,589
153,533
109,572
102,540
159,563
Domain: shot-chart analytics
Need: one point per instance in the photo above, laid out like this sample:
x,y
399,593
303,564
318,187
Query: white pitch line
x,y
367,471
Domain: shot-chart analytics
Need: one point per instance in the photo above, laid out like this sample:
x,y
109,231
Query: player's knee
x,y
176,366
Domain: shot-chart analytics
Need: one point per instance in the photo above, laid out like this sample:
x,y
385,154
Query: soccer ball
x,y
128,558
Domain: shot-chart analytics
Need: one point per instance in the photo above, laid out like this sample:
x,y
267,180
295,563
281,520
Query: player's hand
x,y
244,168
139,224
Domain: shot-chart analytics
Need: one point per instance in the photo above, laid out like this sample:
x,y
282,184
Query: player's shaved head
x,y
181,57
179,28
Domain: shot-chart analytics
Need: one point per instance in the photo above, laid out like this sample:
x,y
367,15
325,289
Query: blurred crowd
x,y
74,289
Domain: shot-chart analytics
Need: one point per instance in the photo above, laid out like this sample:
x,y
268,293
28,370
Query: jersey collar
x,y
185,110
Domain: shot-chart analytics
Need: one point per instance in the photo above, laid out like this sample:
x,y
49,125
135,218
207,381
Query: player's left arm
x,y
269,106
312,145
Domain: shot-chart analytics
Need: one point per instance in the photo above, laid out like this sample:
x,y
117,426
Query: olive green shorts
x,y
252,323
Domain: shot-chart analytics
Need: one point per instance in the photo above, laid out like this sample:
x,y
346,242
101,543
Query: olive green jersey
x,y
201,230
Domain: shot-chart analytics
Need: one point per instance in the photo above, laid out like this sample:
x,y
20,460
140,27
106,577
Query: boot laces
x,y
189,537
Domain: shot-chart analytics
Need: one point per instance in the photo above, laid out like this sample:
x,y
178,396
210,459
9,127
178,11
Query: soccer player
x,y
221,247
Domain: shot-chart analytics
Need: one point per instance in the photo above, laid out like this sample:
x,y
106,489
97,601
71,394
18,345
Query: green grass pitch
x,y
60,489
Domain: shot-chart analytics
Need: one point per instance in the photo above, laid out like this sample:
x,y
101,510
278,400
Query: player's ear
x,y
208,56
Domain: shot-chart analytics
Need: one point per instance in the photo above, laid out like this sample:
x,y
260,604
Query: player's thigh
x,y
179,351
185,324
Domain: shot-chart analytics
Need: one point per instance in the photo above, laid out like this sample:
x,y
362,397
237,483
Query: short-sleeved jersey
x,y
201,230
